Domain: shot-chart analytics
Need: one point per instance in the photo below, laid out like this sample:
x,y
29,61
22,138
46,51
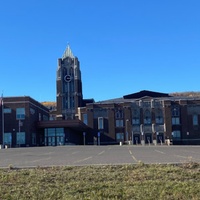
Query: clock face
x,y
67,78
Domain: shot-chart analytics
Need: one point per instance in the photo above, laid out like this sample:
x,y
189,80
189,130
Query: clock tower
x,y
69,85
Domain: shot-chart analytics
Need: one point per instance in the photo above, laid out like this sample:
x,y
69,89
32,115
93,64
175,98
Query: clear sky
x,y
123,46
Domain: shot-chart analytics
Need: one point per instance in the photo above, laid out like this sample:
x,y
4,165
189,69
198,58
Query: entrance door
x,y
160,138
148,138
60,140
136,139
51,141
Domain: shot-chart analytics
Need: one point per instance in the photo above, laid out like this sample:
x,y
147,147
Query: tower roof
x,y
68,53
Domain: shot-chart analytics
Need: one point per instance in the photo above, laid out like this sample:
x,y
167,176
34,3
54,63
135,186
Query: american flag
x,y
1,100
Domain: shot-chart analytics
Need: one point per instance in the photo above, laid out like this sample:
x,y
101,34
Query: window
x,y
119,123
100,123
146,103
175,111
85,120
7,110
176,134
147,117
7,138
60,131
195,119
135,121
175,115
20,138
136,117
20,113
119,114
159,116
159,120
175,120
119,137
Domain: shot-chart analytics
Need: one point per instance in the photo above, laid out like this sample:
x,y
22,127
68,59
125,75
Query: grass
x,y
102,182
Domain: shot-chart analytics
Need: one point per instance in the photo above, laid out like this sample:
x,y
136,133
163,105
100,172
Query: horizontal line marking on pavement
x,y
75,152
160,152
83,159
38,160
101,153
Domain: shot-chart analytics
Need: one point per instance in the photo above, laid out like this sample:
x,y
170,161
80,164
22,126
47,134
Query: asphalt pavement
x,y
97,155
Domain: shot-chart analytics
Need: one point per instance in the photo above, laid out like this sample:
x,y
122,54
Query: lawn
x,y
102,182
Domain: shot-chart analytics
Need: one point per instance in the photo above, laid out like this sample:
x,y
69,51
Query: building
x,y
19,118
145,117
69,85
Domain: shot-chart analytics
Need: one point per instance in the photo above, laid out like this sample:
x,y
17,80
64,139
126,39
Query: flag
x,y
1,100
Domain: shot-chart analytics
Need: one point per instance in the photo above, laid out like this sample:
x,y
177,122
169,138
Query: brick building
x,y
19,117
144,117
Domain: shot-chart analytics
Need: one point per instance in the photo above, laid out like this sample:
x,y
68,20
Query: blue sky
x,y
123,46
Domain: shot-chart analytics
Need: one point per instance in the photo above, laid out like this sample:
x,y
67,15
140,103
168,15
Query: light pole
x,y
99,135
127,130
142,133
188,137
84,138
2,110
19,138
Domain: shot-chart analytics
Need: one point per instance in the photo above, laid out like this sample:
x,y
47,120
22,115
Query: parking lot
x,y
97,155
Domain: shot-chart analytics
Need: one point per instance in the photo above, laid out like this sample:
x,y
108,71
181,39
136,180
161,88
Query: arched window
x,y
119,115
175,115
175,111
135,117
159,116
147,117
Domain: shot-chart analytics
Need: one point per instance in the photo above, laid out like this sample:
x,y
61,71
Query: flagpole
x,y
2,107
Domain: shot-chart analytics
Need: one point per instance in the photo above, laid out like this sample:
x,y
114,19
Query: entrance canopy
x,y
76,124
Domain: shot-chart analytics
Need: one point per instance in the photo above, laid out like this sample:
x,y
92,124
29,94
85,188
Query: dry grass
x,y
102,182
